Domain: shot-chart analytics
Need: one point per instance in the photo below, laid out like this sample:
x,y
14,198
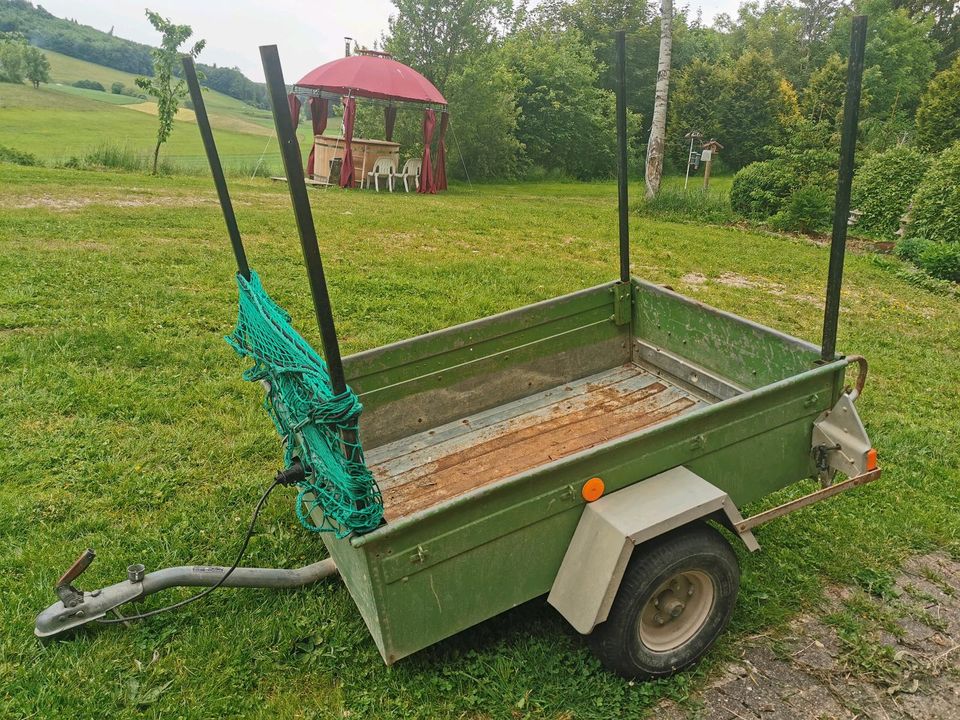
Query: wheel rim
x,y
676,611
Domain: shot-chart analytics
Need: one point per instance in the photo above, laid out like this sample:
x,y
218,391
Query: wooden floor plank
x,y
433,466
433,437
475,430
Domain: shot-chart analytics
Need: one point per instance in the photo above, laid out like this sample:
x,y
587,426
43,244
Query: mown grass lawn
x,y
126,427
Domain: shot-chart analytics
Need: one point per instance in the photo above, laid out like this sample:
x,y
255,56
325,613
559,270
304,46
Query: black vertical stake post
x,y
841,208
290,151
622,156
196,95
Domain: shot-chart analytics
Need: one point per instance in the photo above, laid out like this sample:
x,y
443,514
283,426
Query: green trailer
x,y
593,448
484,436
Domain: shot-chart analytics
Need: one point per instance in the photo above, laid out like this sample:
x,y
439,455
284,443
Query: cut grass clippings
x,y
126,427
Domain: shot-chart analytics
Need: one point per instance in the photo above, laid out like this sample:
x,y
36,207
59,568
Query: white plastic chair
x,y
411,169
384,167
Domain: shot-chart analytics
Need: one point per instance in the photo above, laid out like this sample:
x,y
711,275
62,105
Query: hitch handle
x,y
861,375
78,567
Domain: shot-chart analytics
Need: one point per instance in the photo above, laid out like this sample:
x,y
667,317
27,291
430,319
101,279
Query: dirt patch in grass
x,y
693,279
60,203
734,280
887,648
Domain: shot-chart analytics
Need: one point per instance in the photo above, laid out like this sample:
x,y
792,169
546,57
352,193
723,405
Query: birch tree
x,y
658,127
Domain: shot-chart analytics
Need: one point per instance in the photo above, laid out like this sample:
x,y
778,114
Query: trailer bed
x,y
417,472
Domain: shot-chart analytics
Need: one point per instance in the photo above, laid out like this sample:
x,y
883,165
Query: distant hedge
x,y
17,157
883,187
89,85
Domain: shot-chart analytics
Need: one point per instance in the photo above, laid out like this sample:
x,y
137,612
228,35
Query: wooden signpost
x,y
710,148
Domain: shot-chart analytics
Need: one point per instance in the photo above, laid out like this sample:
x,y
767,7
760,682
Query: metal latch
x,y
68,594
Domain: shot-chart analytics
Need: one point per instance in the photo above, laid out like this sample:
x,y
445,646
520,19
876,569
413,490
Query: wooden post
x,y
710,148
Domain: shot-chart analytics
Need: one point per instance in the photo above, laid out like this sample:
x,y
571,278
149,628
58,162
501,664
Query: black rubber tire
x,y
696,547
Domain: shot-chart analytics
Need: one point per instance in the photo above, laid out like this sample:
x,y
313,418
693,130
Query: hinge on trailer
x,y
622,305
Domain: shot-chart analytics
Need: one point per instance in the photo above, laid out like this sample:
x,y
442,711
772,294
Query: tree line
x,y
530,89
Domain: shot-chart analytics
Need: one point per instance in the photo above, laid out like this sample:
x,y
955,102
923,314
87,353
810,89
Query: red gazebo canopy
x,y
376,76
372,75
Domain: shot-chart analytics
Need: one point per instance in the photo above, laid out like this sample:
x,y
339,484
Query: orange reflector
x,y
871,459
592,489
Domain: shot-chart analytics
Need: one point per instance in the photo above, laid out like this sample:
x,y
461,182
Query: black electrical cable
x,y
207,591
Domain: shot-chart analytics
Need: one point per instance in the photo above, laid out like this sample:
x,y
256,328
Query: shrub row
x,y
941,260
793,191
883,187
935,214
89,85
17,157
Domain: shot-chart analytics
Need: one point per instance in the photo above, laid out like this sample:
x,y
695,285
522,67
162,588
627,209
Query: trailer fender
x,y
614,525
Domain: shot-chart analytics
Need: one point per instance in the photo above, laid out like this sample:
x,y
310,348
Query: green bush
x,y
942,260
117,88
89,85
935,214
808,209
883,186
17,157
761,189
795,187
938,117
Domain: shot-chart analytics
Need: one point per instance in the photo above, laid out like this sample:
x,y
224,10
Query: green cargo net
x,y
308,415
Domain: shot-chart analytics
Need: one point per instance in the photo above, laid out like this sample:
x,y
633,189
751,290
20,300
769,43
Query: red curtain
x,y
389,120
440,172
426,171
318,114
293,102
349,114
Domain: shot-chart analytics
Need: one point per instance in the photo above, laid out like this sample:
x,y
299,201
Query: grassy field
x,y
85,119
126,427
80,125
66,70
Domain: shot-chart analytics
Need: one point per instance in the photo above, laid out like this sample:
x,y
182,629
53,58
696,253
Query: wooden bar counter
x,y
365,154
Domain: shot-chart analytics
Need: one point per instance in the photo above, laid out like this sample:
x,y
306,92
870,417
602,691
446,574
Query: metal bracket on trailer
x,y
622,303
839,440
611,527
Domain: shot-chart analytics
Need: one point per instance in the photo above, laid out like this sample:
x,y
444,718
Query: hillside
x,y
226,112
84,42
57,123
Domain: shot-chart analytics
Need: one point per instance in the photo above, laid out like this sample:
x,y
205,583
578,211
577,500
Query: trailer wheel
x,y
676,597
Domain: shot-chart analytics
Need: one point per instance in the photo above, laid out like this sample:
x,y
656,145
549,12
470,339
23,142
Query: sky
x,y
307,32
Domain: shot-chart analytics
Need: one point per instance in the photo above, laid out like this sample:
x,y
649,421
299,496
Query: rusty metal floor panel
x,y
425,469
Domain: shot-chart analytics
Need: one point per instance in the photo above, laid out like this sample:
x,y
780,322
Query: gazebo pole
x,y
290,151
